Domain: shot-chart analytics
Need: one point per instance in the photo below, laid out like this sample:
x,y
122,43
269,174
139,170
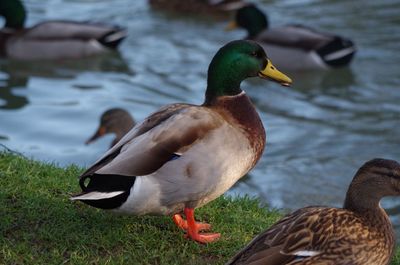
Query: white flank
x,y
317,60
306,253
95,44
339,54
95,195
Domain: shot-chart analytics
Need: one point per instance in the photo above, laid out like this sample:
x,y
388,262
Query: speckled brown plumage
x,y
358,234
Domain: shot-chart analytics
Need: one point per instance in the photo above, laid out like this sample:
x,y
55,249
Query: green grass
x,y
40,225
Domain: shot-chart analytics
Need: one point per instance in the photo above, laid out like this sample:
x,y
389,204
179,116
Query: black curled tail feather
x,y
336,45
82,182
113,39
107,183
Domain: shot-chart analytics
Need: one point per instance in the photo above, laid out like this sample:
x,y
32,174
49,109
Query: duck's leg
x,y
182,223
193,231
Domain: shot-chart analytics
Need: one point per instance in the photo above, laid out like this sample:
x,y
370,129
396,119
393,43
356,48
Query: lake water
x,y
319,131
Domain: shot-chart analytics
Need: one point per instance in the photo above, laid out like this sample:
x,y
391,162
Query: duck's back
x,y
60,29
295,36
299,47
63,40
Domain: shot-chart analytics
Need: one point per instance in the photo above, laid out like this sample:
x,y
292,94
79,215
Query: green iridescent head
x,y
13,12
250,18
237,61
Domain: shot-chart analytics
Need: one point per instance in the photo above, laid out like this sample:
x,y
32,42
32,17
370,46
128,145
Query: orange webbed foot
x,y
204,237
192,227
182,224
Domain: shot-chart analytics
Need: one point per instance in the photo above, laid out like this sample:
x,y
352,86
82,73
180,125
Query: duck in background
x,y
52,40
210,8
115,120
184,156
294,47
360,233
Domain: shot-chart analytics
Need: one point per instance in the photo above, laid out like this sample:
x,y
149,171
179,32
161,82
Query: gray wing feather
x,y
295,36
148,146
69,30
60,40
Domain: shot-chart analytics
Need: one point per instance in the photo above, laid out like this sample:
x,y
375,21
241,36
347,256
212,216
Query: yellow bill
x,y
270,72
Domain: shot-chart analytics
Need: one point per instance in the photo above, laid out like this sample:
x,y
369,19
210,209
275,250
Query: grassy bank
x,y
40,225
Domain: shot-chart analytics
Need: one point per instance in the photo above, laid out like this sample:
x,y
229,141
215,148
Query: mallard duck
x,y
213,8
294,47
115,120
52,40
184,156
360,233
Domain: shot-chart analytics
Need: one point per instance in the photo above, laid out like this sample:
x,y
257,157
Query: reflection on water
x,y
9,86
319,131
16,74
327,82
110,62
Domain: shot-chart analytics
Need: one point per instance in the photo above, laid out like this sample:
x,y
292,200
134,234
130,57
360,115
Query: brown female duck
x,y
184,156
115,120
360,233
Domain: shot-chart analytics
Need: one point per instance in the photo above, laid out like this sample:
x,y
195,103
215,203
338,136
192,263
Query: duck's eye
x,y
254,54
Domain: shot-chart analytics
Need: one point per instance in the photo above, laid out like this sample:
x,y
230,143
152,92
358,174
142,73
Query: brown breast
x,y
240,112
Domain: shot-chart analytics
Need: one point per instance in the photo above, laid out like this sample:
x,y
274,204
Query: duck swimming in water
x,y
53,40
294,47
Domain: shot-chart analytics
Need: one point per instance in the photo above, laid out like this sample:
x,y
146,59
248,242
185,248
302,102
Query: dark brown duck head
x,y
115,120
376,179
